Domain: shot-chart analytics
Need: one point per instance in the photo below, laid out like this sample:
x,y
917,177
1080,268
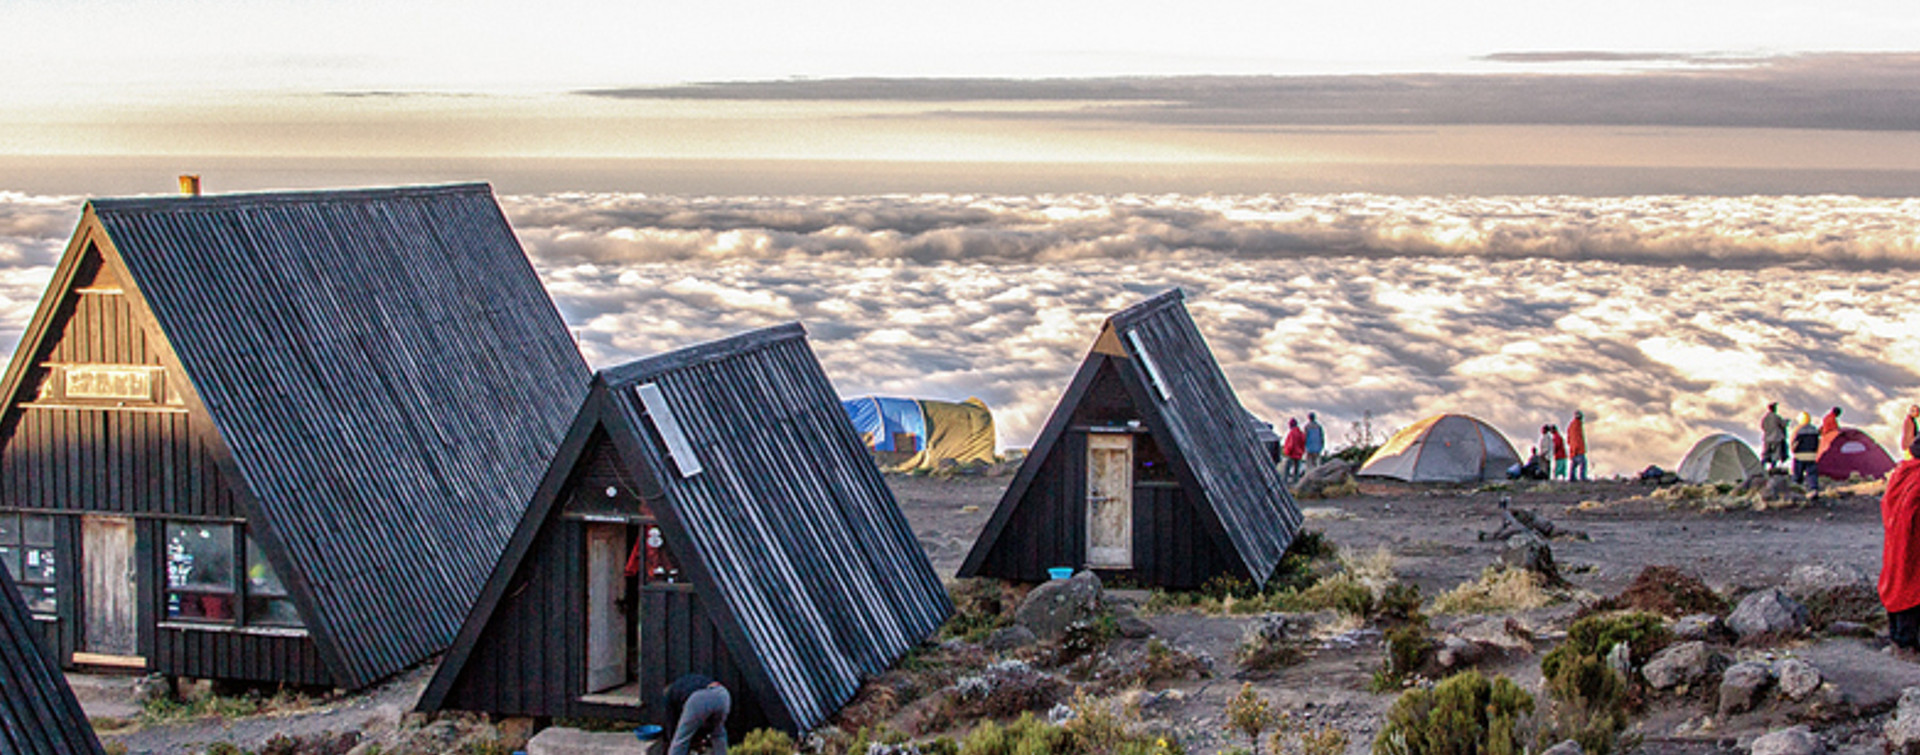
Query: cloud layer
x,y
1664,318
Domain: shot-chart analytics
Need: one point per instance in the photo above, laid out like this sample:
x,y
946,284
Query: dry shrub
x,y
1666,591
1496,591
1004,690
1153,663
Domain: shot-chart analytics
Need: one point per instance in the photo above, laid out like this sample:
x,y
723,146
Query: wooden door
x,y
111,620
606,623
1110,500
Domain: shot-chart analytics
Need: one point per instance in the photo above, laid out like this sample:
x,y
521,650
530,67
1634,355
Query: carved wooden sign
x,y
109,382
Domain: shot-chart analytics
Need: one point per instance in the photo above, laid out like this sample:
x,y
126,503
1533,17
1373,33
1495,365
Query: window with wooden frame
x,y
26,548
207,583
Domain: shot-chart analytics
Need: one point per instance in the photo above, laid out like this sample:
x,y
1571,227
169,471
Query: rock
x,y
1903,728
1054,606
1798,678
1833,592
152,688
562,740
1011,638
1851,629
1741,685
1682,664
1133,628
1620,659
1329,474
1798,740
1457,652
1704,627
1768,612
1532,553
1568,747
1777,489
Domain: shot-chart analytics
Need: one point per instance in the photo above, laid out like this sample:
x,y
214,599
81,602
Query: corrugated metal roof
x,y
391,379
38,713
788,527
1213,432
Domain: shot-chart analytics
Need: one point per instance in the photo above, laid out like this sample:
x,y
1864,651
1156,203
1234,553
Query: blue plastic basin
x,y
1060,572
648,733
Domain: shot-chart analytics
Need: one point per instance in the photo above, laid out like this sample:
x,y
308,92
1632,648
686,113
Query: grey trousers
x,y
706,710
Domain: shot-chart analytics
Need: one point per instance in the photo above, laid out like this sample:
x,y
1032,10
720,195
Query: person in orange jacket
x,y
1829,429
1577,447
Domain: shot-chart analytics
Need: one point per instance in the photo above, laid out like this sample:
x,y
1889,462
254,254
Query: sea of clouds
x,y
1664,318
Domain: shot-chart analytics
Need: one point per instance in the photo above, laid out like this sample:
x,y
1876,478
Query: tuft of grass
x,y
766,742
1496,591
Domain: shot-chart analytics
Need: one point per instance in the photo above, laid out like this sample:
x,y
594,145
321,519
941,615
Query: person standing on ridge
x,y
1910,431
1773,437
1559,453
1294,447
1806,454
1829,429
1577,447
1316,441
1899,560
1546,448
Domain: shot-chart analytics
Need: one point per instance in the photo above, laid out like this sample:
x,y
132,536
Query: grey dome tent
x,y
1444,448
1720,458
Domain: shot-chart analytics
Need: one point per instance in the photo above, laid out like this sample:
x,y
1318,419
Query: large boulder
x,y
1833,592
1768,612
1798,740
1798,678
1330,474
1530,552
1054,606
1742,685
1903,729
1680,665
1705,627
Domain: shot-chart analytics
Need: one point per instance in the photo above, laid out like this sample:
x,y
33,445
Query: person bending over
x,y
700,705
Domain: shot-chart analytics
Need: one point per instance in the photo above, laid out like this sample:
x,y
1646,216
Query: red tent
x,y
1853,451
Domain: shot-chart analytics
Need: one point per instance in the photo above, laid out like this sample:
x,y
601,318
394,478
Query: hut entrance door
x,y
607,604
111,622
1110,500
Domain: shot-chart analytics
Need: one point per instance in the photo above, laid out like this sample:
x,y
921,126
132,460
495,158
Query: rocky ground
x,y
1741,677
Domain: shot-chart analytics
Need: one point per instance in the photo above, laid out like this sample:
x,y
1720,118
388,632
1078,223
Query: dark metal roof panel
x,y
806,547
1211,429
38,712
390,375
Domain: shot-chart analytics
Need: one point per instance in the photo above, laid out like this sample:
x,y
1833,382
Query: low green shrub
x,y
1593,636
1464,715
765,742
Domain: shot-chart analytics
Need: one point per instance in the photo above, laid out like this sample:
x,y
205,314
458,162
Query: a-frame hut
x,y
280,437
38,712
711,511
1149,469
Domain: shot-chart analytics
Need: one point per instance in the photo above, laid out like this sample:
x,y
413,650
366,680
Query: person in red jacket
x,y
1900,552
1295,449
1577,448
1829,429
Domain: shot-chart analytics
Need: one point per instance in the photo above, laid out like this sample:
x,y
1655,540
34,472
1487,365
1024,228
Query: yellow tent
x,y
962,432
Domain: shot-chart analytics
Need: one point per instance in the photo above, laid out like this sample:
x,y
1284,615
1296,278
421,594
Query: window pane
x,y
38,566
10,529
200,571
39,530
267,601
39,599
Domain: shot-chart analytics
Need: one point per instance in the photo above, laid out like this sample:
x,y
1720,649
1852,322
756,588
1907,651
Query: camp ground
x,y
1443,448
906,434
710,511
38,712
278,437
1148,469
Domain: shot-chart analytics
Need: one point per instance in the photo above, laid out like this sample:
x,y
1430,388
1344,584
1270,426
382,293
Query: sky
x,y
1664,213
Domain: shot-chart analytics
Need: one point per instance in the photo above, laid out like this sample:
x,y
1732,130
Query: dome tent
x,y
1444,448
1853,451
1720,458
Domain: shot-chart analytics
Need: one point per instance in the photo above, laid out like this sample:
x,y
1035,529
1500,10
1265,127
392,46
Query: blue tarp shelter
x,y
882,420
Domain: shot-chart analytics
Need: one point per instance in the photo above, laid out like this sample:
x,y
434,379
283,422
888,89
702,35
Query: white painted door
x,y
1110,500
112,611
606,624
